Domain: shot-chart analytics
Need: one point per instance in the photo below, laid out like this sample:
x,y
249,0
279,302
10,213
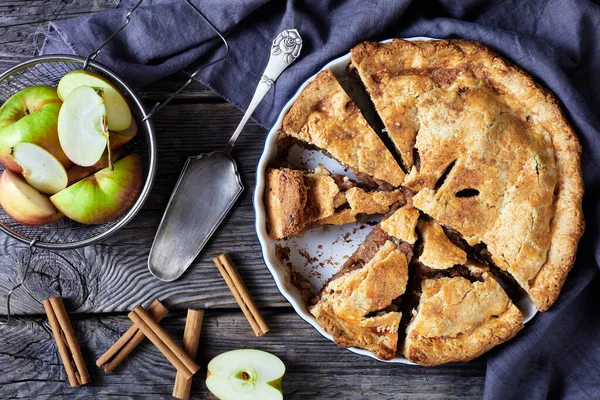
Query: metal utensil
x,y
210,184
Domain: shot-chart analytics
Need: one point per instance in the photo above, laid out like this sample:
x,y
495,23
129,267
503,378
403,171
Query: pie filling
x,y
488,200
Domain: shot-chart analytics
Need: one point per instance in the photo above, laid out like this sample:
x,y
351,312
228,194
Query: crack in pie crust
x,y
493,175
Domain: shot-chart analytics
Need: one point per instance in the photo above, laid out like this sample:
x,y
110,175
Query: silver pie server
x,y
209,184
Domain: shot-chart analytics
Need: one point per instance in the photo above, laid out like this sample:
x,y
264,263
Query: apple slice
x,y
120,139
245,374
104,196
77,172
118,114
23,203
41,169
81,126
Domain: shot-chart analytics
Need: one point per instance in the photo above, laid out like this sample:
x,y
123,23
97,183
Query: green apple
x,y
41,169
30,115
23,203
120,139
118,114
104,196
82,130
245,374
77,172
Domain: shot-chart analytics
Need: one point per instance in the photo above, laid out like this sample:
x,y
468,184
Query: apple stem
x,y
107,134
110,164
245,376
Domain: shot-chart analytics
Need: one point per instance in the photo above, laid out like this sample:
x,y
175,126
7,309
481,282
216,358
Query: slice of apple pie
x,y
297,201
359,306
325,117
459,318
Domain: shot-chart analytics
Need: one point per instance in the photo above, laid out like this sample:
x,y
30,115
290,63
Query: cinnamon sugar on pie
x,y
490,160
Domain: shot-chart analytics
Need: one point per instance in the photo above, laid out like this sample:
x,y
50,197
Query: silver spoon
x,y
210,184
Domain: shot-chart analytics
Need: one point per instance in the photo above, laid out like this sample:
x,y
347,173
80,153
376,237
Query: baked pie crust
x,y
354,307
324,116
459,320
438,251
493,174
498,162
297,201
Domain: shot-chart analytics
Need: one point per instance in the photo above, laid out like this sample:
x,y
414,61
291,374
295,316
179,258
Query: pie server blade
x,y
209,184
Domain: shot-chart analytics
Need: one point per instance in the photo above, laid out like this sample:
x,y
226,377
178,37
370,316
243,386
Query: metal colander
x,y
68,234
48,70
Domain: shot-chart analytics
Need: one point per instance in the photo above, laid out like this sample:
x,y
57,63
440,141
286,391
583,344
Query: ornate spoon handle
x,y
284,50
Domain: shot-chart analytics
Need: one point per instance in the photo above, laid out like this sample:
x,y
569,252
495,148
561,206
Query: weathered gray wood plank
x,y
316,368
113,276
19,20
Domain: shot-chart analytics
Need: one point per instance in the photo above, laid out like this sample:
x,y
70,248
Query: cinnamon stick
x,y
68,348
240,292
191,340
161,339
129,341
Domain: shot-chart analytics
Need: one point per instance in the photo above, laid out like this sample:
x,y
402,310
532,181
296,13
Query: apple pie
x,y
488,210
459,318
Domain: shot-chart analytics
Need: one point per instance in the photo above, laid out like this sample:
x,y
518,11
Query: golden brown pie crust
x,y
489,154
458,320
347,300
324,116
438,251
300,200
460,104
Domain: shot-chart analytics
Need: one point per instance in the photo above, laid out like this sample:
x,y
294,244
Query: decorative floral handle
x,y
284,50
288,43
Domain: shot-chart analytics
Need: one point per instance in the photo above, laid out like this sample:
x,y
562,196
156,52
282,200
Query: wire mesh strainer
x,y
48,70
67,234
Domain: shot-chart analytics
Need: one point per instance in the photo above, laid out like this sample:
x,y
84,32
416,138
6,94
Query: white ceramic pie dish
x,y
321,251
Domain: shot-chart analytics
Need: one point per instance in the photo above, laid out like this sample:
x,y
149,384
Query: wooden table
x,y
101,282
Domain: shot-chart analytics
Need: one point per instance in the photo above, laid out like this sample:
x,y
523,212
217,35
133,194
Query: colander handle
x,y
158,106
95,53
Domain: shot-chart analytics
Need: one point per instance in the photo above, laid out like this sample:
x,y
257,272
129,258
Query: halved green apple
x,y
118,114
23,203
30,115
41,169
82,130
245,374
104,196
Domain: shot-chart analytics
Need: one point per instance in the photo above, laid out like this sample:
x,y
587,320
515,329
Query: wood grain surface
x,y
101,283
314,367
